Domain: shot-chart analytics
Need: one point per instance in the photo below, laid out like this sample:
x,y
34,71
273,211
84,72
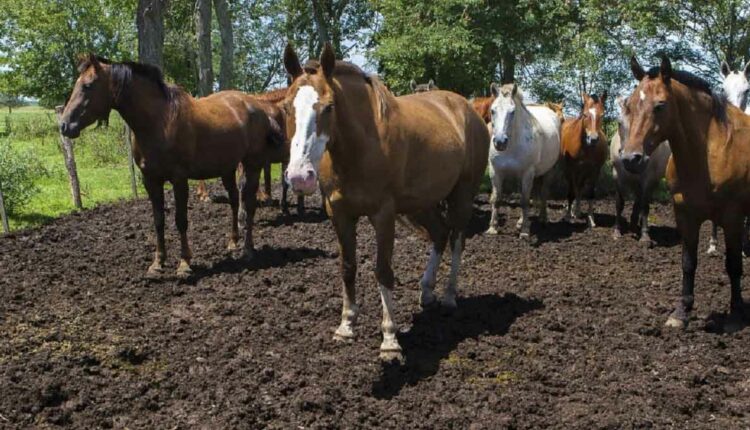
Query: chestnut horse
x,y
708,174
177,138
375,155
481,106
584,150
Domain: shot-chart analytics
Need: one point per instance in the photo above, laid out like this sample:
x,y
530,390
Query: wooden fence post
x,y
131,162
3,215
70,162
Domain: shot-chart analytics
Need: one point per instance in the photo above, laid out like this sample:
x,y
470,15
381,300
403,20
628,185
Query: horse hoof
x,y
248,255
712,251
391,356
616,235
427,300
184,269
646,241
155,269
390,350
232,246
448,304
492,231
343,334
676,323
524,237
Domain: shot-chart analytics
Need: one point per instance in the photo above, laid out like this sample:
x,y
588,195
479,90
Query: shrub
x,y
19,172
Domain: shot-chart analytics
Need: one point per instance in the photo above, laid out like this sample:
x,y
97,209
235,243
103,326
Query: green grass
x,y
101,158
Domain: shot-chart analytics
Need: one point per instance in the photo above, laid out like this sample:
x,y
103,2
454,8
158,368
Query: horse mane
x,y
695,82
345,68
272,96
122,77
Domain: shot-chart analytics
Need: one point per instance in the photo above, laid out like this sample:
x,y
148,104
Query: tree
x,y
203,37
150,23
224,19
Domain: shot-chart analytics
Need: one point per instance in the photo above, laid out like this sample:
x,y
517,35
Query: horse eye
x,y
659,107
87,86
328,108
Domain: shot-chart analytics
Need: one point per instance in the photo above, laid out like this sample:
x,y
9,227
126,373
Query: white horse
x,y
737,89
525,144
641,184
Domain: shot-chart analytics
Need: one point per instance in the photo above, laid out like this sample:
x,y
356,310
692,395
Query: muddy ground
x,y
565,333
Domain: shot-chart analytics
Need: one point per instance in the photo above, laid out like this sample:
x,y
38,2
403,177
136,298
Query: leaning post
x,y
70,162
3,215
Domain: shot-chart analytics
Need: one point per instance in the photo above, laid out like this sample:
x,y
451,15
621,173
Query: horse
x,y
525,144
641,184
421,88
268,101
584,151
481,106
177,138
421,156
708,173
736,87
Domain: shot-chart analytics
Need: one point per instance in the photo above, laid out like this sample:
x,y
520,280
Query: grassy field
x,y
101,158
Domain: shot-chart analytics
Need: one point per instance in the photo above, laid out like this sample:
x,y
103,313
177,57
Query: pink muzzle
x,y
303,181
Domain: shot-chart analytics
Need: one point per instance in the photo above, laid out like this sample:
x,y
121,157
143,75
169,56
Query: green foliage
x,y
19,172
42,39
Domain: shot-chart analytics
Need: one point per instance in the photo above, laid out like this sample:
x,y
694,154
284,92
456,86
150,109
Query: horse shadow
x,y
554,232
434,335
265,257
723,322
309,216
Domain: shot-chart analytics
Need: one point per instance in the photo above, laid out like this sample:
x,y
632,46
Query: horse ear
x,y
94,61
291,62
584,97
514,91
431,84
494,90
746,70
635,67
413,85
328,60
665,69
725,69
603,97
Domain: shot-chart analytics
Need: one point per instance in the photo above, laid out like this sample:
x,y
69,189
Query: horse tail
x,y
413,226
276,136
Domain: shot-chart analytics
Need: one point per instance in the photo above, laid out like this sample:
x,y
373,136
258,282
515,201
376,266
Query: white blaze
x,y
592,111
643,95
307,145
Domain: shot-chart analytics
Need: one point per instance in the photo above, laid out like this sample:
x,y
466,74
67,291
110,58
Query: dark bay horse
x,y
375,155
584,150
178,138
708,174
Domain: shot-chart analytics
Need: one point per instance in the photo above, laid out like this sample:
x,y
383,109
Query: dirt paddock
x,y
565,333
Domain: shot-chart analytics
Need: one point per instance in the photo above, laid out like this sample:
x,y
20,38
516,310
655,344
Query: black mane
x,y
122,76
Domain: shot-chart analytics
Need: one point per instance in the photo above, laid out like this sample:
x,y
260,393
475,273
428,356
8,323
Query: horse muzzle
x,y
592,140
635,162
70,129
302,181
501,143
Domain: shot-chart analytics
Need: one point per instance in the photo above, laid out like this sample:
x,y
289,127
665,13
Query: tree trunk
x,y
3,215
509,67
203,33
320,24
150,22
224,18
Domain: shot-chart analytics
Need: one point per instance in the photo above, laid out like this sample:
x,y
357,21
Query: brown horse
x,y
422,155
177,138
708,174
481,106
584,150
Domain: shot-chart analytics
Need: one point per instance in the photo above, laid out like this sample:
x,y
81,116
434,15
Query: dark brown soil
x,y
566,333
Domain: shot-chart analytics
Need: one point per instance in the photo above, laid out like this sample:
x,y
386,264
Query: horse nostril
x,y
310,173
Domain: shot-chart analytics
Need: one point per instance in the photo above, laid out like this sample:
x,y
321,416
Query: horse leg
x,y
733,232
523,223
301,204
460,206
284,190
264,195
689,228
155,190
384,222
252,176
201,192
619,207
180,187
746,238
714,240
230,184
591,195
434,223
572,193
543,195
346,232
645,207
495,200
241,214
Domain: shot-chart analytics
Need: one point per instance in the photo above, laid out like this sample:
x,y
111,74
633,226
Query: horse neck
x,y
521,119
689,137
146,110
351,146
